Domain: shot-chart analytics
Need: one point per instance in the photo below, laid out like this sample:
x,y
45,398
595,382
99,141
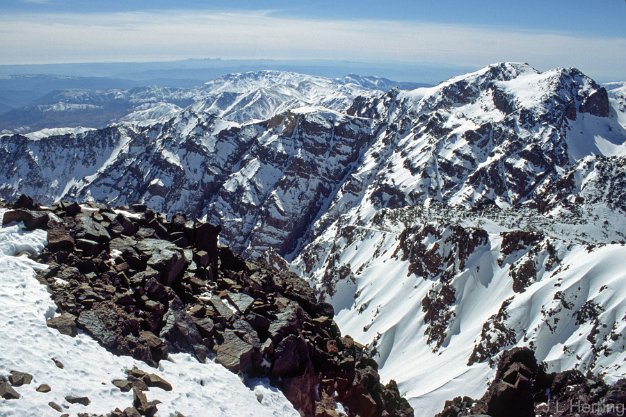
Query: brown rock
x,y
55,406
59,239
58,363
44,388
65,324
123,384
153,380
31,219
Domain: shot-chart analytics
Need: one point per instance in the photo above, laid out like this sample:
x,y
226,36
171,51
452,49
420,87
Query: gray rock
x,y
234,353
241,301
7,392
91,229
17,379
180,331
31,219
77,400
165,257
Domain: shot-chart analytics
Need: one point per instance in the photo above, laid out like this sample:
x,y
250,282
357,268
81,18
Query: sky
x,y
589,35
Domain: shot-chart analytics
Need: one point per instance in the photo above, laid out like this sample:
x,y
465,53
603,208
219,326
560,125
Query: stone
x,y
55,406
58,363
291,356
24,201
234,353
7,392
153,380
59,239
122,243
71,209
141,403
123,384
241,301
65,324
31,219
90,229
164,257
107,322
205,325
201,258
44,388
131,412
77,400
89,247
180,331
17,379
157,348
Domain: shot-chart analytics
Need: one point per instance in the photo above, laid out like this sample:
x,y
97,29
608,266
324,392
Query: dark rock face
x,y
144,286
522,388
597,103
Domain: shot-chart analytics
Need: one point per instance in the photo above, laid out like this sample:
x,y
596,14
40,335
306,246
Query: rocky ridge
x,y
523,388
144,286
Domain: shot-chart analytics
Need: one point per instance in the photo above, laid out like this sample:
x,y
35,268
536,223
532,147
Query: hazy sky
x,y
589,34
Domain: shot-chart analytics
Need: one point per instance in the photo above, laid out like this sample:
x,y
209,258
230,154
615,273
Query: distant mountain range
x,y
33,102
445,224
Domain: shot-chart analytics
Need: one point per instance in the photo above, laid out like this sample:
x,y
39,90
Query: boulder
x,y
43,388
291,357
89,228
165,257
72,399
24,201
17,379
123,384
180,331
89,247
107,323
31,219
234,353
59,239
7,392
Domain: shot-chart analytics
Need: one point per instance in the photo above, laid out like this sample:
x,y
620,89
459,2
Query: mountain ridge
x,y
437,221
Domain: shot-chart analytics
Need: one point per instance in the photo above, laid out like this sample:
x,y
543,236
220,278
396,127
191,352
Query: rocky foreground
x,y
145,287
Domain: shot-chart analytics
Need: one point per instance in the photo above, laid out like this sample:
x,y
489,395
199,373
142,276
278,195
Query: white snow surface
x,y
28,345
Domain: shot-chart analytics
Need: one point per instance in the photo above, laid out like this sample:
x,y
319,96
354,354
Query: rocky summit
x,y
145,286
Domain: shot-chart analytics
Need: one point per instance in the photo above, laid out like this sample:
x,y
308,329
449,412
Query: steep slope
x,y
526,249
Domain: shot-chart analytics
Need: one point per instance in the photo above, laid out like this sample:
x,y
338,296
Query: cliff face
x,y
147,287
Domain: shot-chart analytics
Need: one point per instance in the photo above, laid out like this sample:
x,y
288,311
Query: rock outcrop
x,y
146,286
522,388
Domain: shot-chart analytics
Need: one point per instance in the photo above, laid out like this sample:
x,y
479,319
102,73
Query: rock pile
x,y
522,388
145,286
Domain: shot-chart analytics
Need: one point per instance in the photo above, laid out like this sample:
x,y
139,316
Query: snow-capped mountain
x,y
241,97
444,224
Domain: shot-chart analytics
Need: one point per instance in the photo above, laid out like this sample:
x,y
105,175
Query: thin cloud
x,y
141,36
